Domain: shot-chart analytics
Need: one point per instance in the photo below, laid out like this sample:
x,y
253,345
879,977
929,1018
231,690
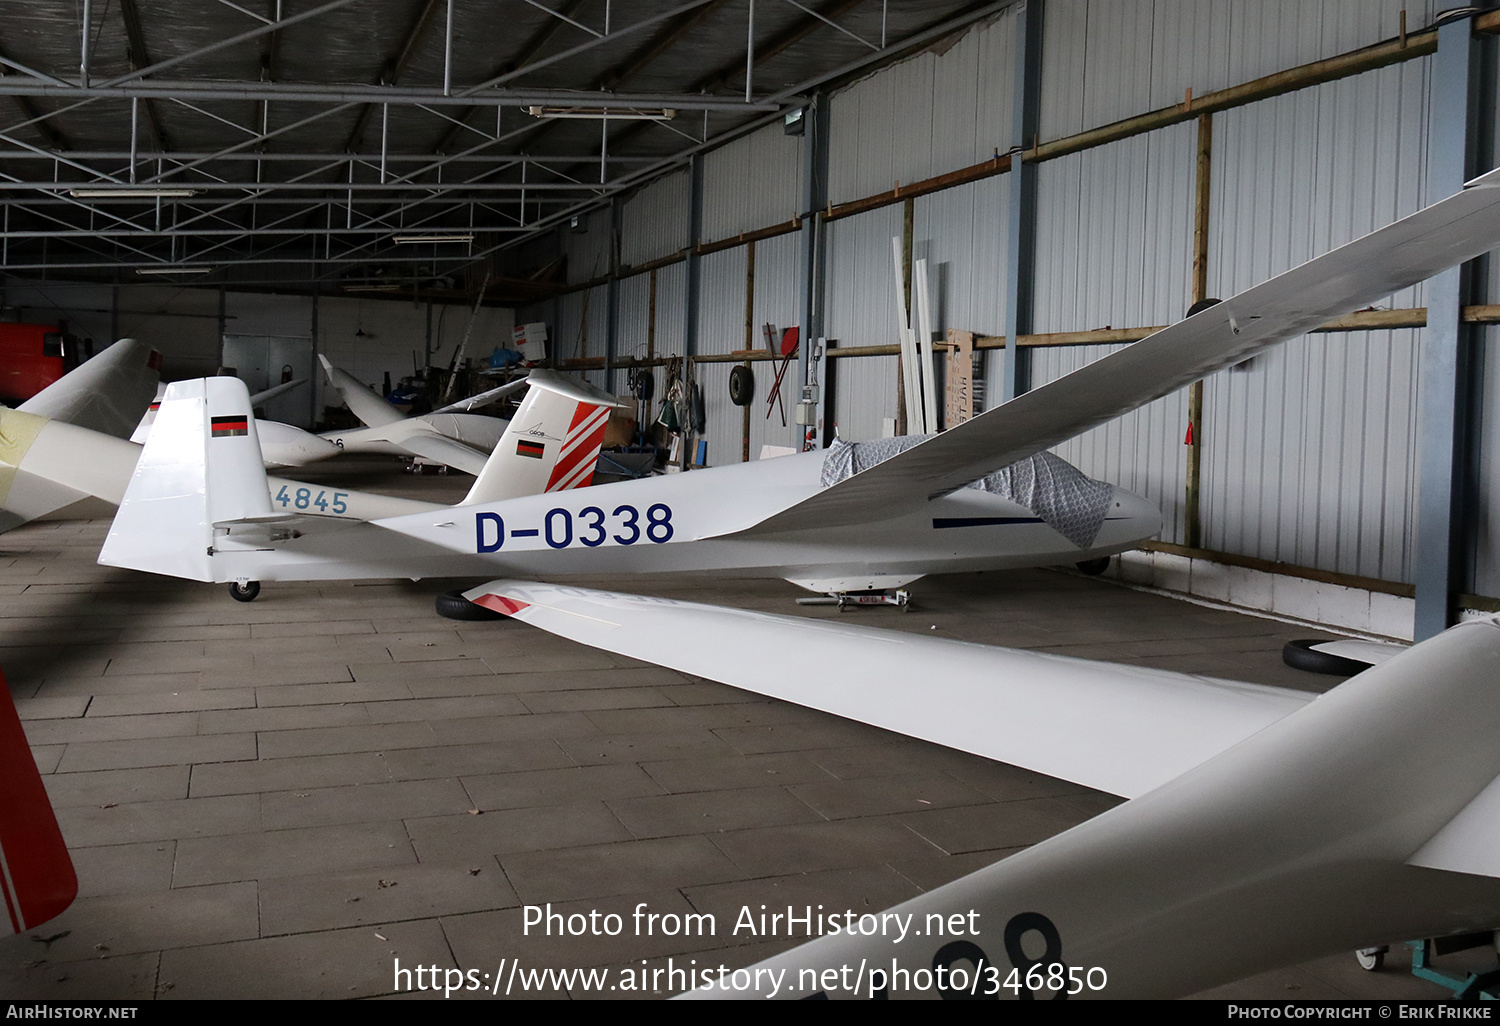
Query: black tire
x,y
244,592
742,386
645,386
1093,567
455,607
1300,655
1202,304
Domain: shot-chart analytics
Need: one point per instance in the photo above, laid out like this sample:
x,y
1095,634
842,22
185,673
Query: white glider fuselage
x,y
286,446
684,523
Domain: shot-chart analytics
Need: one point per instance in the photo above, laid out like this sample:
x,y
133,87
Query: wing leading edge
x,y
1401,254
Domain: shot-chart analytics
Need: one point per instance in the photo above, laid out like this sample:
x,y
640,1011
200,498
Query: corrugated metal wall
x,y
654,220
860,310
944,109
1309,451
751,183
588,250
1104,60
1115,249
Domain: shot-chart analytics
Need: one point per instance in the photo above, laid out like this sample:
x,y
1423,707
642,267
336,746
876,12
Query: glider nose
x,y
1134,516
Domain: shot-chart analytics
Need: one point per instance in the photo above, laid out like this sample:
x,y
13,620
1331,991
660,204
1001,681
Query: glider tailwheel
x,y
454,606
1301,655
1093,567
244,591
1371,959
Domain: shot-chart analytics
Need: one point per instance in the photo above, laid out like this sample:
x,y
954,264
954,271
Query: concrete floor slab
x,y
241,772
274,853
330,901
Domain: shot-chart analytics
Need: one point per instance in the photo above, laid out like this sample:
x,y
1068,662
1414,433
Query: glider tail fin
x,y
552,443
201,467
36,876
106,393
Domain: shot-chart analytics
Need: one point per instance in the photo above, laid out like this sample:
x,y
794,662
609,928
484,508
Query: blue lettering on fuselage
x,y
480,519
626,528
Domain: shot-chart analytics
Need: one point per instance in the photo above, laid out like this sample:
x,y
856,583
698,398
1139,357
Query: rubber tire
x,y
1202,304
645,387
742,386
244,592
454,606
1299,655
1093,567
1371,963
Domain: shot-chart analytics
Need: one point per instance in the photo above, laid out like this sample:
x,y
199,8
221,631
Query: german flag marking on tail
x,y
535,450
225,427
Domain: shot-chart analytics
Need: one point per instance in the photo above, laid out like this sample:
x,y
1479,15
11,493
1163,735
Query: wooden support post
x,y
1193,514
651,319
748,345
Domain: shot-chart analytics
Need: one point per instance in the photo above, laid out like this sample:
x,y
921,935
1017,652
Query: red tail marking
x,y
35,871
500,604
574,468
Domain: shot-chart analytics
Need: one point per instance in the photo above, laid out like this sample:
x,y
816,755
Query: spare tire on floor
x,y
455,607
1300,655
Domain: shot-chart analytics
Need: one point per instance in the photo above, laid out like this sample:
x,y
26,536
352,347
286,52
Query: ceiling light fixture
x,y
126,192
404,240
600,113
199,269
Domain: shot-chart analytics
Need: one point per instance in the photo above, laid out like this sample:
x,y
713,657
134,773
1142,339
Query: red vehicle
x,y
32,356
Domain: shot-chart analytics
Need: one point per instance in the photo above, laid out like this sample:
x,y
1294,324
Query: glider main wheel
x,y
741,386
1093,567
244,591
1371,960
1300,655
454,606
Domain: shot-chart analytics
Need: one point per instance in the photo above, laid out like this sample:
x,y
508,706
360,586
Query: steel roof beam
x,y
582,47
135,52
525,56
263,136
968,16
254,33
181,156
208,89
50,135
730,73
393,67
668,37
238,233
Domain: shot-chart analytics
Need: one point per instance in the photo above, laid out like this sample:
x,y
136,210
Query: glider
x,y
981,495
57,467
1265,826
451,435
